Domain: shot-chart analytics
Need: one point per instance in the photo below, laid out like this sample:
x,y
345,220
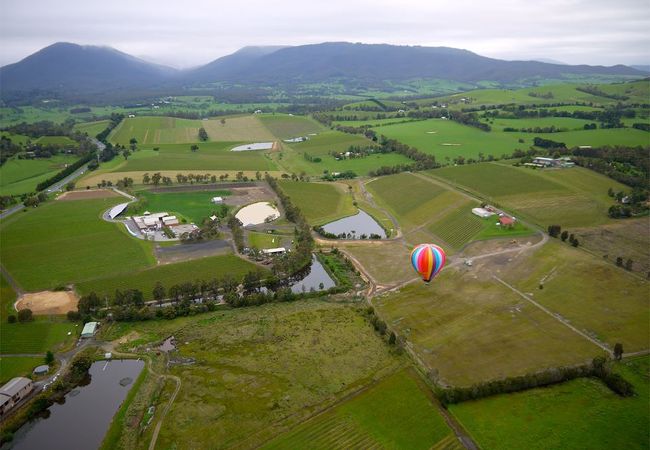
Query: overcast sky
x,y
185,33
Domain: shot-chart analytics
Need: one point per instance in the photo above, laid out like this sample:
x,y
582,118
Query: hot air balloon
x,y
428,260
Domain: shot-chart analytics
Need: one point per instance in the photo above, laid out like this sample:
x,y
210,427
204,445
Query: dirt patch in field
x,y
48,302
132,336
87,194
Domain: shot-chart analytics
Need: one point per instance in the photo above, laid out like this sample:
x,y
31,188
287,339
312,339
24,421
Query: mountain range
x,y
70,68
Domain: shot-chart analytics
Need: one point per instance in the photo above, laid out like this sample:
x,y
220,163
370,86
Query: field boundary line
x,y
556,316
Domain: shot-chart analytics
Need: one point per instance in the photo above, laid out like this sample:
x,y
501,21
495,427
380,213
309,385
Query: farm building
x,y
89,329
217,200
13,392
274,251
482,212
551,162
170,221
506,221
150,222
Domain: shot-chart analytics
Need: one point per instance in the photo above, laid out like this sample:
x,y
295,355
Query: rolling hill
x,y
73,70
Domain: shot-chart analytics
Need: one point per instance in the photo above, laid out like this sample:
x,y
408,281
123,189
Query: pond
x,y
257,213
255,146
82,420
360,223
312,278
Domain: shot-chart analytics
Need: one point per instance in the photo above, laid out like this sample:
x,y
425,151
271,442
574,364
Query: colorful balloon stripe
x,y
428,260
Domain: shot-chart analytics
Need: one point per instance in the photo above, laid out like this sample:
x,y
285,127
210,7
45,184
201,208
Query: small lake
x,y
312,278
360,223
82,420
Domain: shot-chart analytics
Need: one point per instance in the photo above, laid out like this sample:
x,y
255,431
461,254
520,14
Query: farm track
x,y
556,316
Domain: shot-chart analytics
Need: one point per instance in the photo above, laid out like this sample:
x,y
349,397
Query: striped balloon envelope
x,y
428,260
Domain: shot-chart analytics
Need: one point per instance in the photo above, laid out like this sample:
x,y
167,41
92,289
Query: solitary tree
x,y
49,358
575,242
223,121
126,153
392,338
11,318
159,292
618,351
564,235
194,147
619,261
133,143
203,135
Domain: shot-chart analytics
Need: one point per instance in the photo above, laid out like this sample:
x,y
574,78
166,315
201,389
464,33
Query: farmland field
x,y
446,139
206,268
461,326
394,413
194,206
320,202
594,295
582,413
7,299
558,122
92,128
63,141
168,130
573,197
284,126
261,371
265,240
459,227
379,260
36,337
292,157
17,366
19,176
35,243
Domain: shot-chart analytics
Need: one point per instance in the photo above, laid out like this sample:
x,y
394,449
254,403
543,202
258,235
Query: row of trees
x,y
599,368
556,232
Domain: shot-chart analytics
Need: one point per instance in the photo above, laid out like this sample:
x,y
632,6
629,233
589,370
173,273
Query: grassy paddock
x,y
169,274
469,330
36,337
260,371
394,413
320,202
19,176
195,206
17,366
582,413
63,242
285,126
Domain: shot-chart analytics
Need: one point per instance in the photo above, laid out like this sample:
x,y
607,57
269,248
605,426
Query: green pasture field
x,y
595,296
394,413
209,156
92,129
373,122
261,371
320,202
63,141
285,126
575,197
468,329
558,122
67,241
582,413
194,206
446,139
7,299
206,268
156,130
15,138
265,240
292,156
39,336
19,176
17,366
